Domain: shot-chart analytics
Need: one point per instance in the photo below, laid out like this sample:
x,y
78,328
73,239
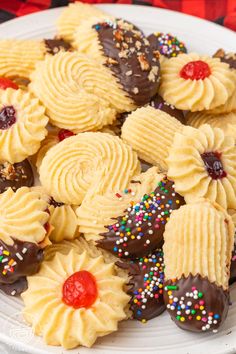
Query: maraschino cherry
x,y
195,70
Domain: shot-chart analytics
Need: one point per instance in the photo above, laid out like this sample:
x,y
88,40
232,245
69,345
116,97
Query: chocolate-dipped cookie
x,y
23,233
229,58
15,175
232,278
198,247
126,52
140,230
166,44
53,46
146,286
196,304
158,103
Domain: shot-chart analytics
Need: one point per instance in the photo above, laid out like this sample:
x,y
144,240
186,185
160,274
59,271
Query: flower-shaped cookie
x,y
74,299
202,163
193,82
22,125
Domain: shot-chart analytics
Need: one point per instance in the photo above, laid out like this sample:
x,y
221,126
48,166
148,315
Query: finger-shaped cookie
x,y
202,163
140,230
18,58
125,52
72,17
150,132
198,245
24,229
193,82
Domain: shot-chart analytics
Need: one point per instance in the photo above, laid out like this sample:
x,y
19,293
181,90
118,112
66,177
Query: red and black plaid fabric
x,y
220,11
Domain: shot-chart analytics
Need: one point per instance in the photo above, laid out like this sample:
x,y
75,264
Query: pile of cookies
x,y
117,178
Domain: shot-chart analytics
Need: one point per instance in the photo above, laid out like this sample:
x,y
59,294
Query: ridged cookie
x,y
94,162
72,17
82,296
150,132
202,163
224,121
22,125
195,83
198,245
23,232
18,58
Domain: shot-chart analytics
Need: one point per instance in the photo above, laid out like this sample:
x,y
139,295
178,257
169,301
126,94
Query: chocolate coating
x,y
166,44
53,46
140,231
232,278
54,203
18,260
130,58
16,288
229,58
158,103
16,176
206,303
146,286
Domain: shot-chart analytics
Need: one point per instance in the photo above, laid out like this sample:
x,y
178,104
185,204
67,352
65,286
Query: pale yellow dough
x,y
72,17
97,210
199,239
23,138
196,95
150,132
22,216
187,169
94,162
60,324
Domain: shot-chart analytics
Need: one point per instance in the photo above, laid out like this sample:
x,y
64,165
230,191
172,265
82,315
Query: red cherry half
x,y
64,134
195,70
80,290
7,83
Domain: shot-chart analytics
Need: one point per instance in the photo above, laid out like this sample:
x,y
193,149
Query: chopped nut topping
x,y
138,45
153,73
156,54
143,62
135,90
8,171
118,35
129,73
111,61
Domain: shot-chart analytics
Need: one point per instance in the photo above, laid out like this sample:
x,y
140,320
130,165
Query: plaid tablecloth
x,y
220,11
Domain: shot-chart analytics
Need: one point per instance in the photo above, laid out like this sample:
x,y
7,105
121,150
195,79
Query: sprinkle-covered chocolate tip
x,y
18,261
140,231
15,175
195,304
131,59
166,44
146,286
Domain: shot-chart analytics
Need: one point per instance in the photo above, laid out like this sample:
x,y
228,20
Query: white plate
x,y
159,336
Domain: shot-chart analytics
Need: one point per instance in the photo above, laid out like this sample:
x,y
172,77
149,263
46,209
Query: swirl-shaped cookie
x,y
229,106
193,82
22,125
125,54
226,121
198,245
202,163
72,17
82,296
50,140
78,93
150,132
97,162
98,210
18,58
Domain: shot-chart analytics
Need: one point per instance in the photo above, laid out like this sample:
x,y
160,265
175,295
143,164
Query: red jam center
x,y
214,165
7,83
195,70
64,134
80,290
7,117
